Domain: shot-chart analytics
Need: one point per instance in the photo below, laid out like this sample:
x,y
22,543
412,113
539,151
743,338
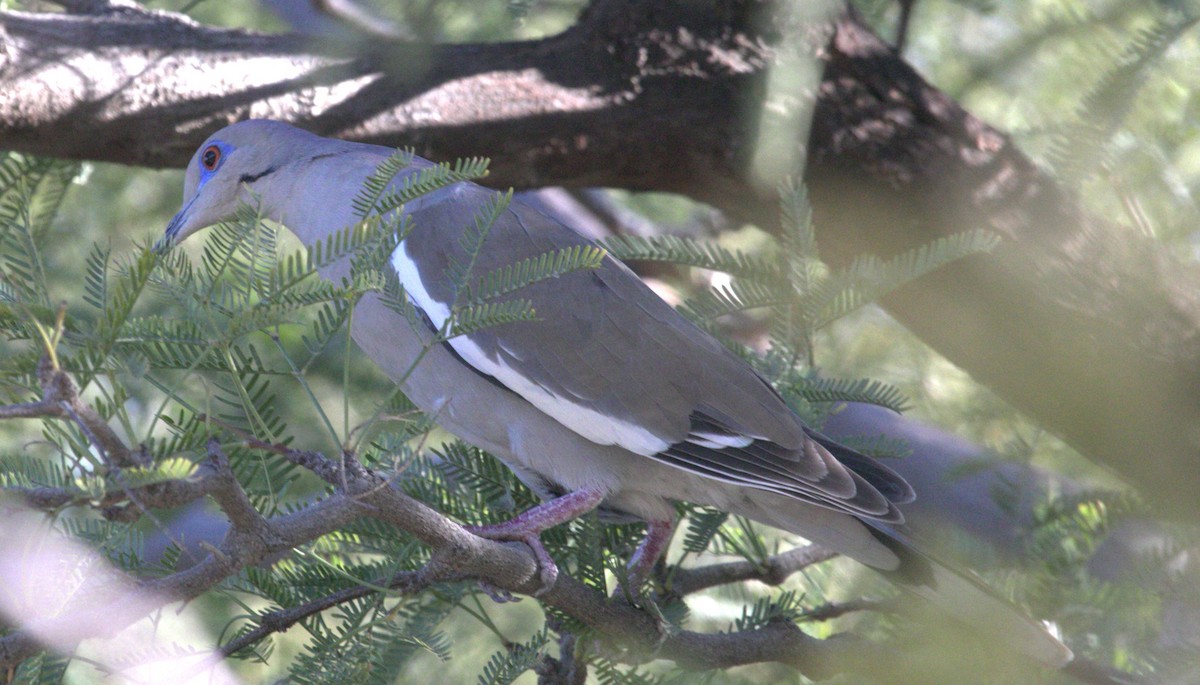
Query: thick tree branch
x,y
109,607
113,604
1089,327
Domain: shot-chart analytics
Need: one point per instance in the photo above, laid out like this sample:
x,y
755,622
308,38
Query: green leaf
x,y
507,665
869,278
381,194
543,267
474,318
165,471
851,390
694,253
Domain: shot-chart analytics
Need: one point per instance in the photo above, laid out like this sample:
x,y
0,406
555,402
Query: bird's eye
x,y
211,157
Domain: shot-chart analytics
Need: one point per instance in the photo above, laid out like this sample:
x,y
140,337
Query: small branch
x,y
407,582
638,637
456,555
112,449
316,462
832,610
230,496
58,389
906,8
324,467
31,410
774,571
98,7
157,496
47,499
60,399
566,669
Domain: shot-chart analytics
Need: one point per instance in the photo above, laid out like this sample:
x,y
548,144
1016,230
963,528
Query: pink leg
x,y
528,525
651,549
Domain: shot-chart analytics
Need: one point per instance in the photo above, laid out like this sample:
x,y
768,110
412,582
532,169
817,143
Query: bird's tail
x,y
891,552
966,598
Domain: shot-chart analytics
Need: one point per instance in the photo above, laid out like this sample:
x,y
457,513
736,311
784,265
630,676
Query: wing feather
x,y
610,360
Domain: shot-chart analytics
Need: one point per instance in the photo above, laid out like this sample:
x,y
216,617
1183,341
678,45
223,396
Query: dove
x,y
609,399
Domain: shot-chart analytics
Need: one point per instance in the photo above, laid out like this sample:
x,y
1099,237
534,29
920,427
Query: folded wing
x,y
613,362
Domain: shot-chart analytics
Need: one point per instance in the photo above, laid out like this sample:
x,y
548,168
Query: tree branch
x,y
58,389
405,582
157,496
111,606
774,571
830,611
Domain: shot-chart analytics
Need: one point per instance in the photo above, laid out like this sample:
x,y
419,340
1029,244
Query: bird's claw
x,y
547,569
662,625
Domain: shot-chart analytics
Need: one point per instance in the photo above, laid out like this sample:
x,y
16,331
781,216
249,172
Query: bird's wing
x,y
613,362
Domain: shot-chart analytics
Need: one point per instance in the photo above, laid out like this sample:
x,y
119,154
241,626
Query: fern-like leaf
x,y
507,665
526,272
868,278
1077,153
852,390
474,318
694,253
381,194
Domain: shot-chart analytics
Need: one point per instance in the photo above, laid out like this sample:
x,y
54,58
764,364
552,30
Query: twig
x,y
31,410
407,582
156,495
318,463
902,25
774,571
58,389
230,496
832,610
566,669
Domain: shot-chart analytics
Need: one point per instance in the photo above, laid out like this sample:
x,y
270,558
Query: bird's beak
x,y
168,240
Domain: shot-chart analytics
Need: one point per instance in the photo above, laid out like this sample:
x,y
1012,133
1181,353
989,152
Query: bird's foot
x,y
504,532
662,624
641,564
528,525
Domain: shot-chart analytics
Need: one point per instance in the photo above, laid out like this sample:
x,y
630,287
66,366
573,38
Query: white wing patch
x,y
591,424
718,441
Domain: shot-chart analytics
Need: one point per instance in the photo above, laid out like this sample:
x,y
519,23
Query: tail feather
x,y
967,598
892,553
891,484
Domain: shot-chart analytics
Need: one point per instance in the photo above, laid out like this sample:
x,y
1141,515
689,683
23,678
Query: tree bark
x,y
1088,327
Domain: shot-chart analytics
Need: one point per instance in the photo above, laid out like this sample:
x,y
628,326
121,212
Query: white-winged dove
x,y
609,399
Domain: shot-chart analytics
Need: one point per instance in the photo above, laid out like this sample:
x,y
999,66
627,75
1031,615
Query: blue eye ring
x,y
210,159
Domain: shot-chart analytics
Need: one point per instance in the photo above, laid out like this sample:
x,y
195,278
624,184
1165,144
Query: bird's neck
x,y
315,198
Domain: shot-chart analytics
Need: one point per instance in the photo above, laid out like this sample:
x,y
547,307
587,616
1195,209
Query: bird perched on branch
x,y
609,399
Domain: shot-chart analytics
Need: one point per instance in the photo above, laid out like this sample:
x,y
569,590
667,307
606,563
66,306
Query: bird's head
x,y
223,172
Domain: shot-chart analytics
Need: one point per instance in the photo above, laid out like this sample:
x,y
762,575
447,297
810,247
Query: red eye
x,y
211,157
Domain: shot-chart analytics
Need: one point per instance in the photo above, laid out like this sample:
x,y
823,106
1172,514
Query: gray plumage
x,y
605,343
609,392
